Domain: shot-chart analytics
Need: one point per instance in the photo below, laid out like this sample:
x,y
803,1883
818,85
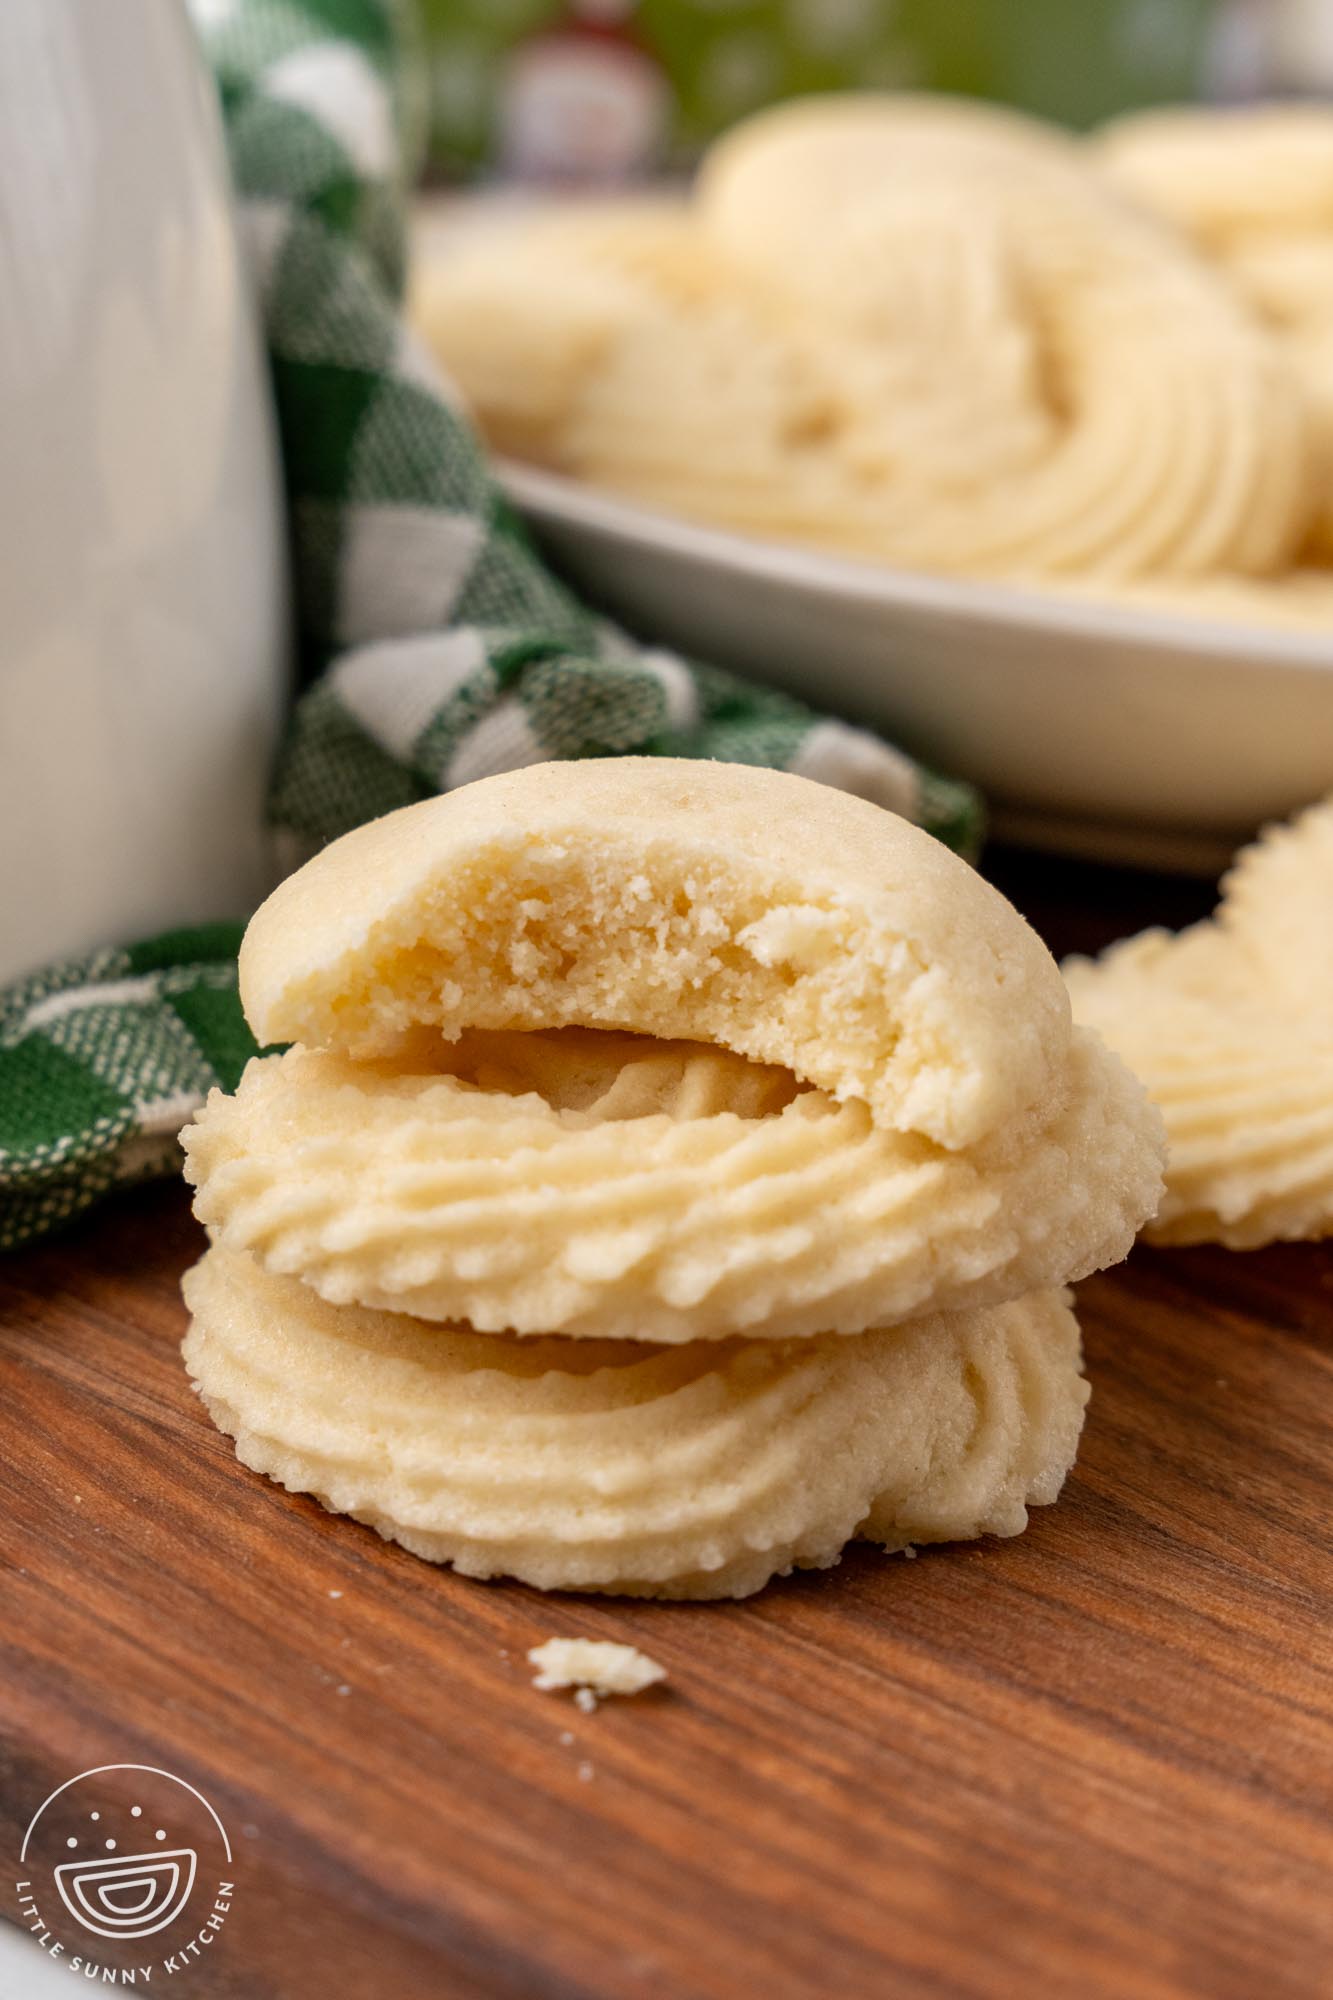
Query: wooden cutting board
x,y
1093,1761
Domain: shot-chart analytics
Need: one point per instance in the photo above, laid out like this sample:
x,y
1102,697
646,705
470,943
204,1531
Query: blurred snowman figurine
x,y
584,101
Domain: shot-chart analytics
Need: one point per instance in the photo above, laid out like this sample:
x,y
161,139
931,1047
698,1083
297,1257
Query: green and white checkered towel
x,y
436,648
102,1061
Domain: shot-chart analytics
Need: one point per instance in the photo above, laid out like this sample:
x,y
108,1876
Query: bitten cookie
x,y
697,1471
892,1115
748,1084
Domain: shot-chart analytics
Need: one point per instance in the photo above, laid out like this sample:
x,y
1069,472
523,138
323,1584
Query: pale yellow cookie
x,y
783,180
779,918
1228,1026
479,314
1254,188
969,277
1277,904
697,1471
605,1185
717,413
1228,174
525,313
1286,274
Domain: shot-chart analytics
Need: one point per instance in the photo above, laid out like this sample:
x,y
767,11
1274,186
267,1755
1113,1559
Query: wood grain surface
x,y
1093,1761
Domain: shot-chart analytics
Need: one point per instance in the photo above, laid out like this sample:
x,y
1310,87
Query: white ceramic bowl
x,y
1127,734
143,596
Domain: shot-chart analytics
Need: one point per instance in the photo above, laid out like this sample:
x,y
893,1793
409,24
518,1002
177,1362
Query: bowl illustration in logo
x,y
127,1895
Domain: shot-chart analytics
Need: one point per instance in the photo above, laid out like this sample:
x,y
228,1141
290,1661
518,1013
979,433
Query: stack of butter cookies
x,y
675,1173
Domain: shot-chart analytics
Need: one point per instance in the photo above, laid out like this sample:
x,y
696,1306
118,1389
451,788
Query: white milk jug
x,y
143,598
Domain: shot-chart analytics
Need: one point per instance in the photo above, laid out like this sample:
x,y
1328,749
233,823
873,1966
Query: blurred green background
x,y
653,80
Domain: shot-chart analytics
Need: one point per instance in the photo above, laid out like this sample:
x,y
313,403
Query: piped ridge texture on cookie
x,y
695,1471
1227,1025
1254,188
674,1174
609,1186
912,328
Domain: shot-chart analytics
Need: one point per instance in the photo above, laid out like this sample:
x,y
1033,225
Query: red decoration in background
x,y
585,100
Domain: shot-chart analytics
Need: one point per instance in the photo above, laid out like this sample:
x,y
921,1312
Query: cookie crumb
x,y
595,1667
